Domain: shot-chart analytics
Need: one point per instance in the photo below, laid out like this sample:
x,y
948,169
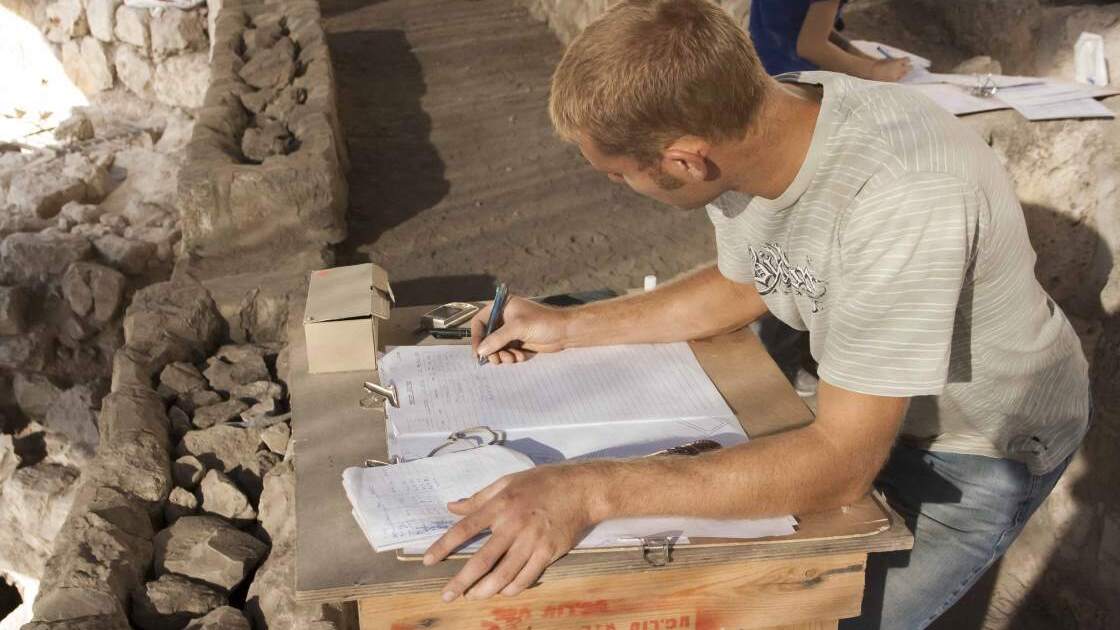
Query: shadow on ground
x,y
380,84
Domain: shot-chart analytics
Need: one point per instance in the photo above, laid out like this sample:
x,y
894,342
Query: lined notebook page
x,y
405,503
443,389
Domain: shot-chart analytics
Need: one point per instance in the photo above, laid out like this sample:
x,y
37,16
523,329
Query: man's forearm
x,y
702,304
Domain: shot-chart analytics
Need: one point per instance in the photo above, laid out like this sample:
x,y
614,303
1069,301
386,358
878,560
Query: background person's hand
x,y
525,327
889,69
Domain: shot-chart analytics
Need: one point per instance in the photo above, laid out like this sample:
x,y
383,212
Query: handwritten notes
x,y
443,389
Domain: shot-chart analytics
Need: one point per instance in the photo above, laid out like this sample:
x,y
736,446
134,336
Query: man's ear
x,y
687,158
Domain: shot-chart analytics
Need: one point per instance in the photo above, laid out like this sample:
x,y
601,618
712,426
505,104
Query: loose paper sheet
x,y
956,100
1052,100
443,389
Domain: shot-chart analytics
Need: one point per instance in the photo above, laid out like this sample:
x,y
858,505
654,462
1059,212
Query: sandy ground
x,y
457,177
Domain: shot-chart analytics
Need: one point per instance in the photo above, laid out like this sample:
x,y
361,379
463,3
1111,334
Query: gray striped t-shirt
x,y
901,247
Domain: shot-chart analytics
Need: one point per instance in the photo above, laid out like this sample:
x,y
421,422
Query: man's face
x,y
678,190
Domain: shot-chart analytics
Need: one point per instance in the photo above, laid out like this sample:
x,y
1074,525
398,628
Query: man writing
x,y
857,211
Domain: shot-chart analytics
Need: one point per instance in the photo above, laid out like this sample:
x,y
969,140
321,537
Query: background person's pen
x,y
883,51
495,313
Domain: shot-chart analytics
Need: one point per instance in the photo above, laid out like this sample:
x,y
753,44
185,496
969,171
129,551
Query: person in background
x,y
798,35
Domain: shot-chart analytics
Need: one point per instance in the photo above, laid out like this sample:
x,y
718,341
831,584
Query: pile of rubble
x,y
185,516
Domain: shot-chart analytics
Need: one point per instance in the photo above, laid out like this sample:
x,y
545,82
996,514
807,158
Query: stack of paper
x,y
1052,100
404,506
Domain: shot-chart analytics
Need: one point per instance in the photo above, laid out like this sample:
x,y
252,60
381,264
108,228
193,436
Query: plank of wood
x,y
803,593
334,562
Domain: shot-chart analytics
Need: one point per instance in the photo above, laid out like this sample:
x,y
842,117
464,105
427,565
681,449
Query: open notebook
x,y
612,401
403,506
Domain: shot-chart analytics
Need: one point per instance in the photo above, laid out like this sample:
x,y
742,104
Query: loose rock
x,y
271,67
93,290
183,311
36,500
42,193
187,471
180,503
9,460
74,414
129,256
74,129
207,549
34,394
35,258
276,437
225,376
222,497
224,618
182,378
176,30
210,415
269,139
81,212
172,601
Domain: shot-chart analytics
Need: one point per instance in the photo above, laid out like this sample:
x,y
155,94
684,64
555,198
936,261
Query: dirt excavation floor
x,y
456,175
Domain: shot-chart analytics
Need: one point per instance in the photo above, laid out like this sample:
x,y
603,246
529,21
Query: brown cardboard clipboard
x,y
744,389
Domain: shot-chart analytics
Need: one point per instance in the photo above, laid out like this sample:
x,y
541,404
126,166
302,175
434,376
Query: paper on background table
x,y
443,389
871,49
1052,100
956,100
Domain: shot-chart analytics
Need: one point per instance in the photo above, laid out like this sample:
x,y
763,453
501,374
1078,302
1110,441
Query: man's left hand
x,y
534,518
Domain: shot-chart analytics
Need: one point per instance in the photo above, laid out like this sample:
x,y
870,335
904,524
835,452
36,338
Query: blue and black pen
x,y
500,294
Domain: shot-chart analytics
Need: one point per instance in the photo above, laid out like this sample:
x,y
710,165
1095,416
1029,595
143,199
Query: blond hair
x,y
650,71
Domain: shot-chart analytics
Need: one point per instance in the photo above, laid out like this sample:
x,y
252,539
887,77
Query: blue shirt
x,y
774,27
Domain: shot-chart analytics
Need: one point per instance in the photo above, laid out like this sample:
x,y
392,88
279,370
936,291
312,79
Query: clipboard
x,y
331,432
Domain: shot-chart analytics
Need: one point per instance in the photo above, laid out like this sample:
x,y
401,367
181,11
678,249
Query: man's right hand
x,y
526,328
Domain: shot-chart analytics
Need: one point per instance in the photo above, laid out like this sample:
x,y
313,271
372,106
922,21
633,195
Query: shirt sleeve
x,y
904,255
733,257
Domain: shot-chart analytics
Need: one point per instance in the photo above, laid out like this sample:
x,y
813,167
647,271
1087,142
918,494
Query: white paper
x,y
443,389
404,503
872,49
968,81
1052,100
956,100
545,445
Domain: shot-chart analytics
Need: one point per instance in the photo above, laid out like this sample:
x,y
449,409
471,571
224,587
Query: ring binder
x,y
389,394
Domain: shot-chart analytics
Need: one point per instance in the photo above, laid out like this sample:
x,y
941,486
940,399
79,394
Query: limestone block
x,y
132,367
66,20
99,15
256,100
76,128
277,504
224,618
276,438
263,36
222,497
132,26
226,375
43,193
101,556
270,138
207,549
33,258
87,64
174,30
163,238
200,398
285,102
36,500
133,69
182,378
114,621
180,503
137,465
131,257
181,81
14,302
81,212
74,414
93,172
232,450
182,310
172,601
187,471
272,67
218,413
257,391
132,410
34,394
93,291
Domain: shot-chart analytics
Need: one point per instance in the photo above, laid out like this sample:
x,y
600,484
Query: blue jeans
x,y
965,511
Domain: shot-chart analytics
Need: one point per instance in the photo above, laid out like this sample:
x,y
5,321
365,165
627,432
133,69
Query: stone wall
x,y
265,166
158,55
1064,571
